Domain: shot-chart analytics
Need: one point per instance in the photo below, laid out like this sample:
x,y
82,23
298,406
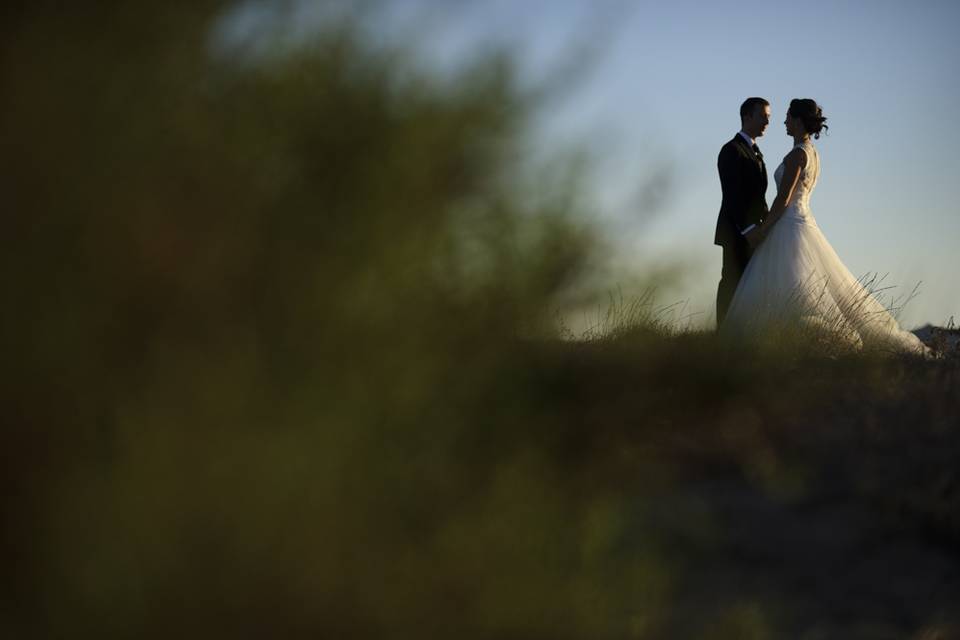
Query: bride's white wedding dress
x,y
796,281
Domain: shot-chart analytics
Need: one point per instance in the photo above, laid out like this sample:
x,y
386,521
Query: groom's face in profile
x,y
755,124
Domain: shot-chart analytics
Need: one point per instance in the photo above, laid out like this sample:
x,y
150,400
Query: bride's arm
x,y
792,165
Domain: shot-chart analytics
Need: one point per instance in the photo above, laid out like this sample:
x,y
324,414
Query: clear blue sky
x,y
664,90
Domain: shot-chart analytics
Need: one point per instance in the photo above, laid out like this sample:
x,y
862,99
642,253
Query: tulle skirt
x,y
796,283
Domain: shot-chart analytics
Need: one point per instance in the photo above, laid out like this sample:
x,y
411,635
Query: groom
x,y
743,180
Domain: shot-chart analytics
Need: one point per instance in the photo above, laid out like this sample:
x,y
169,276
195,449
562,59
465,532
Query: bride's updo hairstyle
x,y
810,114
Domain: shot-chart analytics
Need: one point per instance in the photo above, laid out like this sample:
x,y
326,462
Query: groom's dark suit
x,y
743,180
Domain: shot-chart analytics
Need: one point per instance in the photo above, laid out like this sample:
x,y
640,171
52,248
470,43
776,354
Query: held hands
x,y
755,236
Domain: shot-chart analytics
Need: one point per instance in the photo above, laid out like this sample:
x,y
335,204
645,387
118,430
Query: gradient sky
x,y
663,91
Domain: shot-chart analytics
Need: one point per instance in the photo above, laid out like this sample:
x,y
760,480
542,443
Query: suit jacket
x,y
743,180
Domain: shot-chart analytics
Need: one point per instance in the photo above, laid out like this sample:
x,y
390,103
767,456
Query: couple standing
x,y
778,268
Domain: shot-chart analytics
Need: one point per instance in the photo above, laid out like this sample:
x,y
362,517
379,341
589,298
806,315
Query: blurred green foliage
x,y
259,312
277,363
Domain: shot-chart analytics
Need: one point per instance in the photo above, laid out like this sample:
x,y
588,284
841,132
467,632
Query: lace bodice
x,y
799,204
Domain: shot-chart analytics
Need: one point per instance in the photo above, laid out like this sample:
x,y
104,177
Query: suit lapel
x,y
738,139
745,146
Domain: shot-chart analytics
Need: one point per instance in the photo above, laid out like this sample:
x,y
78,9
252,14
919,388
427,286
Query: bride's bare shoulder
x,y
796,157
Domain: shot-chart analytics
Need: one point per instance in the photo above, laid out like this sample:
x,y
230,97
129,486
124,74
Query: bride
x,y
795,281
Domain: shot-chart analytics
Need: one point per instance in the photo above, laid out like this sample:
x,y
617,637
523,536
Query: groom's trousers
x,y
736,255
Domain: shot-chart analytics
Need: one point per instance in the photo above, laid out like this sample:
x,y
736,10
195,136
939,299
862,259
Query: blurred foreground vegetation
x,y
281,361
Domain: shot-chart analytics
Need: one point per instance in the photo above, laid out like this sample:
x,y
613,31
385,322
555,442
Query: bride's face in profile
x,y
794,126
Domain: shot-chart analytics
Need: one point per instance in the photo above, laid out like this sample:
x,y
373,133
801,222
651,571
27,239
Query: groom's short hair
x,y
750,105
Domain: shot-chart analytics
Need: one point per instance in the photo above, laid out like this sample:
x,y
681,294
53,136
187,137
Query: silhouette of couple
x,y
778,268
